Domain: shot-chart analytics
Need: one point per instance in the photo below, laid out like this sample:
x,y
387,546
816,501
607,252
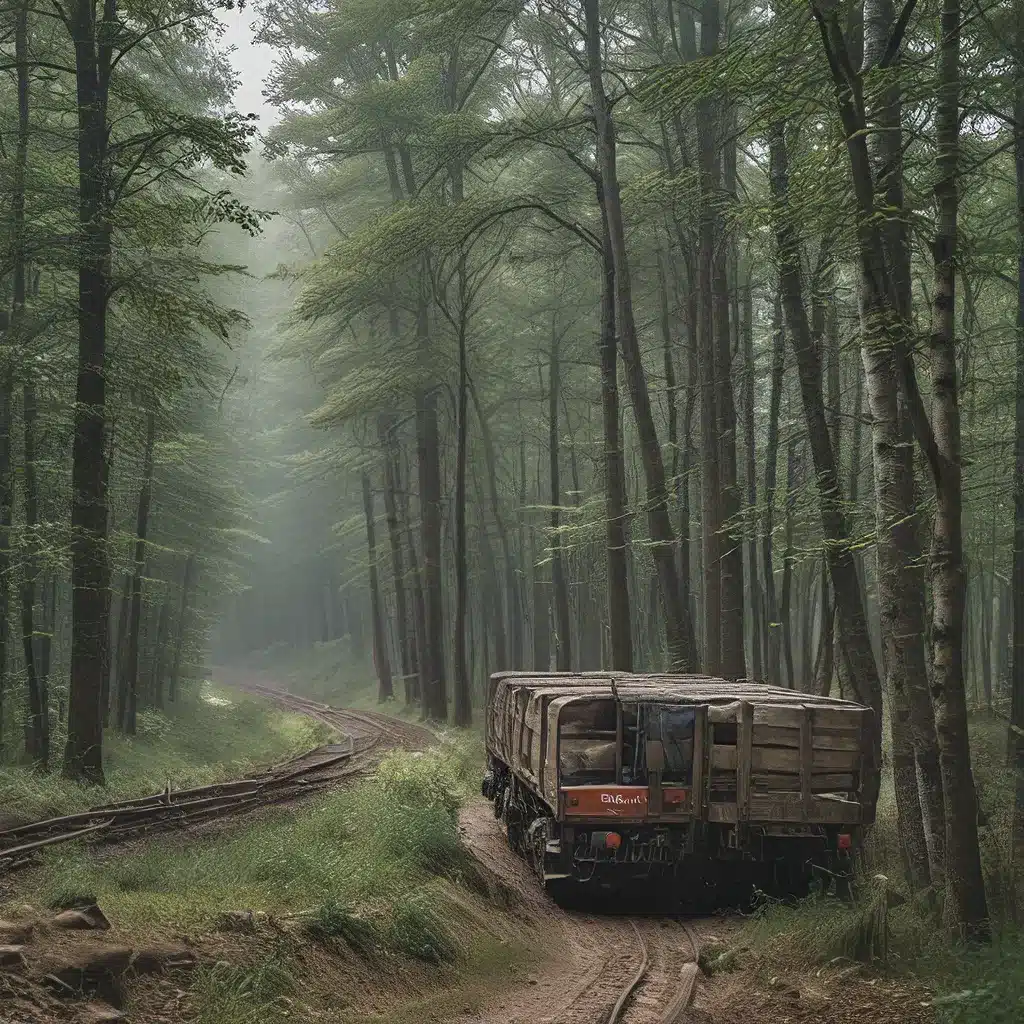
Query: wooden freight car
x,y
601,777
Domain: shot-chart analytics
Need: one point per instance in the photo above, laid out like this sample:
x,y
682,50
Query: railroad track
x,y
365,736
647,975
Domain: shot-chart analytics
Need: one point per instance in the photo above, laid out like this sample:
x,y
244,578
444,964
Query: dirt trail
x,y
590,959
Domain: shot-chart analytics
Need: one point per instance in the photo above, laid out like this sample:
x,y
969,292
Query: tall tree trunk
x,y
659,522
855,646
749,384
463,701
131,682
386,427
1016,736
900,578
771,461
38,726
708,354
616,530
435,699
965,911
733,639
90,572
418,600
117,673
381,660
786,617
563,621
187,587
674,441
514,659
37,739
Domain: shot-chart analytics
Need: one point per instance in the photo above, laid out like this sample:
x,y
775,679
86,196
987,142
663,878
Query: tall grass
x,y
983,985
365,848
209,735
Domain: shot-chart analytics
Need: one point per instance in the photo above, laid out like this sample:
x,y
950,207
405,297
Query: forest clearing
x,y
363,349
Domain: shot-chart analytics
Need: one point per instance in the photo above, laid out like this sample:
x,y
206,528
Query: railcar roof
x,y
666,688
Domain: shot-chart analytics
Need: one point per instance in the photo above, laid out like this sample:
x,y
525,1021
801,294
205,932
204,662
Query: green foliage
x,y
362,850
245,994
333,921
418,931
210,735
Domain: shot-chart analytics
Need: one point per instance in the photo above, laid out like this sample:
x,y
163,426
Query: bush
x,y
333,921
424,779
245,994
417,931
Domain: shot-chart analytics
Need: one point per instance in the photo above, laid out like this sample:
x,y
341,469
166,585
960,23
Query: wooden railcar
x,y
602,776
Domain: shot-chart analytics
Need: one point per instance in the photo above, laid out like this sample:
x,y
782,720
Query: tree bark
x,y
90,572
710,469
749,384
130,685
187,587
37,739
1016,734
38,726
733,639
386,427
463,703
563,621
900,577
513,660
771,460
786,617
660,524
965,911
381,660
616,528
855,646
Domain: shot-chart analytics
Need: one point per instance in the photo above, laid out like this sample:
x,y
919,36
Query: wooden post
x,y
744,750
806,759
700,725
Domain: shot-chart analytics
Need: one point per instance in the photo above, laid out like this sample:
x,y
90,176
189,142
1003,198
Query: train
x,y
708,787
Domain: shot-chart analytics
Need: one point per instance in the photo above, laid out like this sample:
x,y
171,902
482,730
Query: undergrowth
x,y
364,849
980,985
207,736
373,869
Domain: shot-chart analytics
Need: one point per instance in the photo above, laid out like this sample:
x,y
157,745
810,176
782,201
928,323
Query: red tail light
x,y
845,841
613,840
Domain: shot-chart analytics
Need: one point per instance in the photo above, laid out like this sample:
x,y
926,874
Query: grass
x,y
209,735
983,985
378,869
363,849
330,673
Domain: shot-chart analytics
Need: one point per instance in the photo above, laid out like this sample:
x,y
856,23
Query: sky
x,y
252,61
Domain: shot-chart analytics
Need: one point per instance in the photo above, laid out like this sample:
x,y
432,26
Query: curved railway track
x,y
365,736
649,977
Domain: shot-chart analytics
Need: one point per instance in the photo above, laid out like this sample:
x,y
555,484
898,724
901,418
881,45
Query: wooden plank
x,y
789,782
744,743
700,727
822,739
618,743
826,717
789,807
725,757
806,760
723,712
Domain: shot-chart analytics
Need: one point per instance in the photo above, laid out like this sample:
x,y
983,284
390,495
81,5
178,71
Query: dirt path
x,y
590,959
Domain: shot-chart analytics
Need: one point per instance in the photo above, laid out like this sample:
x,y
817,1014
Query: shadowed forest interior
x,y
642,335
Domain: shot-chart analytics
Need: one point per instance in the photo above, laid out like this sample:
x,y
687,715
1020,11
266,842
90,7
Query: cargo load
x,y
602,777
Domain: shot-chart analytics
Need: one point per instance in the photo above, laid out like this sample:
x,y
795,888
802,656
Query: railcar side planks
x,y
604,777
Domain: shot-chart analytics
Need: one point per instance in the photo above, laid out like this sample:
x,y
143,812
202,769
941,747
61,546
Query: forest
x,y
558,334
